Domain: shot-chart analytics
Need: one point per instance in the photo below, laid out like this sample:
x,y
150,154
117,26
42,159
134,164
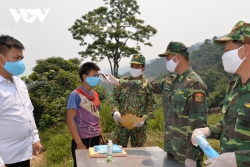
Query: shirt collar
x,y
182,76
2,78
247,84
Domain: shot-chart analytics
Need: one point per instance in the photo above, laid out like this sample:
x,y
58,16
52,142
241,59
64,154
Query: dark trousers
x,y
19,164
88,142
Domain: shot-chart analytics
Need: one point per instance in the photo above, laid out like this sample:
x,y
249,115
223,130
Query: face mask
x,y
92,81
135,72
231,60
171,65
14,68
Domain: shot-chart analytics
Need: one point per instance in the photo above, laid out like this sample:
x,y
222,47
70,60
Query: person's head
x,y
88,73
236,58
177,56
11,54
137,65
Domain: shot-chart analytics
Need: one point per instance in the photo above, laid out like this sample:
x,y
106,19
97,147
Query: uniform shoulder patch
x,y
199,97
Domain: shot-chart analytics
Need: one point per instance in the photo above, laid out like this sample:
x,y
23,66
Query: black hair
x,y
7,42
239,43
86,68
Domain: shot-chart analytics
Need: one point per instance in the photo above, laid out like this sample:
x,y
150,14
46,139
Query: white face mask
x,y
231,60
135,72
171,65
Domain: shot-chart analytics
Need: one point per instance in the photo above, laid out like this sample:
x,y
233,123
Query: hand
x,y
223,160
200,131
140,124
117,116
102,139
80,146
113,80
190,163
37,148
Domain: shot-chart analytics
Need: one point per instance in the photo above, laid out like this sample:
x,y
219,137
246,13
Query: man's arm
x,y
72,106
115,99
146,86
197,117
71,113
1,162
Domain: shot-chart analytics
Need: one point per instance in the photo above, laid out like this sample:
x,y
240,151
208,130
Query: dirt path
x,y
37,161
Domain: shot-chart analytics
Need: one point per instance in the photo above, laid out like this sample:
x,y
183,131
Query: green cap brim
x,y
166,53
222,40
134,62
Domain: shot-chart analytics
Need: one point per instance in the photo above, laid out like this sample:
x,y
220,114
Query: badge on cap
x,y
199,97
247,104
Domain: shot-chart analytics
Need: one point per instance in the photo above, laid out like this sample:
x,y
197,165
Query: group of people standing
x,y
184,100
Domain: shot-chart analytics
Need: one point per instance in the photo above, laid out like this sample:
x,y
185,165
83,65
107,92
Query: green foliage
x,y
157,121
108,124
111,27
57,146
49,86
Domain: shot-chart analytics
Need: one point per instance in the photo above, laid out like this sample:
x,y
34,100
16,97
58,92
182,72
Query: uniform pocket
x,y
180,101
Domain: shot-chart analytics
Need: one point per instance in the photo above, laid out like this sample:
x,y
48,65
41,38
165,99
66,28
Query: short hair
x,y
239,43
86,68
7,42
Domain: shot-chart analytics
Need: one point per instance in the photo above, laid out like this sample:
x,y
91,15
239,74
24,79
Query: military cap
x,y
240,32
138,59
175,48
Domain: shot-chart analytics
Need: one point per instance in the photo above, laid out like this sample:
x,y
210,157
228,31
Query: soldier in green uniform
x,y
125,101
233,130
184,99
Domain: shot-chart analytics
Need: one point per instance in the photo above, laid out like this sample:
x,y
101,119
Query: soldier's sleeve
x,y
146,86
242,157
198,108
115,99
151,106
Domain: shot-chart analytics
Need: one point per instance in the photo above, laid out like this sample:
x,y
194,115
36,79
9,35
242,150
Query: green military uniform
x,y
129,102
233,129
184,99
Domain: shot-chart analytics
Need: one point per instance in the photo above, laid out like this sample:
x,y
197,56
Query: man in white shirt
x,y
18,132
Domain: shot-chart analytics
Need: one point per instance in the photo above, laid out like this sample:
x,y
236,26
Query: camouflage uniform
x,y
233,129
129,102
184,99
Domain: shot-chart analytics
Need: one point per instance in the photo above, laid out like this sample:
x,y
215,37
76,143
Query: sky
x,y
187,21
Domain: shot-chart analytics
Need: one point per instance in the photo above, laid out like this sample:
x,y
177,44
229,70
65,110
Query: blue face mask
x,y
14,68
93,81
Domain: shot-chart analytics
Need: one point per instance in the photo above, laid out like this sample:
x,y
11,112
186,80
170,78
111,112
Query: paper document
x,y
129,120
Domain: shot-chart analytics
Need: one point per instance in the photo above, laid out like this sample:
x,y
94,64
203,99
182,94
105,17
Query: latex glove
x,y
117,116
138,125
200,131
223,160
113,80
190,163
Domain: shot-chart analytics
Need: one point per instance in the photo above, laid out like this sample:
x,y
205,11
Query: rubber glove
x,y
200,131
117,116
190,163
223,160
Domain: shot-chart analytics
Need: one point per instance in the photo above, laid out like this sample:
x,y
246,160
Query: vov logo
x,y
29,15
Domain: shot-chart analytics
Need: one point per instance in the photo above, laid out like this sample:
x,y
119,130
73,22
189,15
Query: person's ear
x,y
178,58
247,50
143,69
84,77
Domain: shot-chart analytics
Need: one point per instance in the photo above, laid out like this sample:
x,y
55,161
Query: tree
x,y
110,28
